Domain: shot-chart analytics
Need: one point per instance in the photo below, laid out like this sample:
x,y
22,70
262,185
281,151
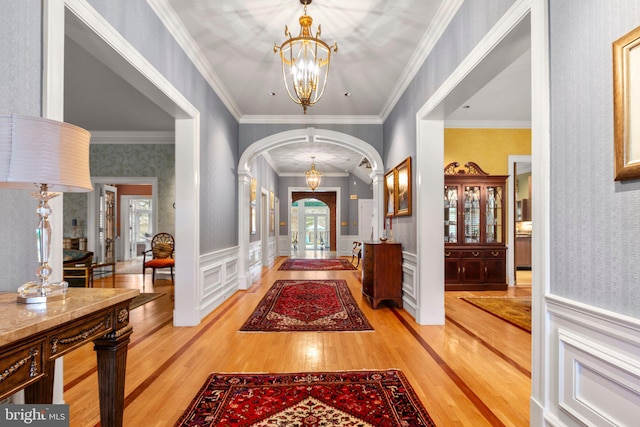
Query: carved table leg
x,y
112,362
41,392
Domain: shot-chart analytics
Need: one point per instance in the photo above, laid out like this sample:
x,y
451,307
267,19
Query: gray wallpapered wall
x,y
472,22
129,160
266,179
20,93
135,20
595,225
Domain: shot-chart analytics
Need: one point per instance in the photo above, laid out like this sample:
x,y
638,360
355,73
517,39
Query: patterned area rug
x,y
307,305
317,264
361,398
515,310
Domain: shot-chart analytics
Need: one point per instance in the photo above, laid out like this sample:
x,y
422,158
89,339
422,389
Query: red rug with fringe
x,y
316,264
307,305
358,398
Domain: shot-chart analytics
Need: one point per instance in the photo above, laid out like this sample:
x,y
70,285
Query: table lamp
x,y
43,155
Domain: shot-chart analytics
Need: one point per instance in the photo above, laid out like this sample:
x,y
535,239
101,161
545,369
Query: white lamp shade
x,y
35,151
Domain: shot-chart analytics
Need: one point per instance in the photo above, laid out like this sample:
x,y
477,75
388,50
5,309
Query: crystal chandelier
x,y
313,176
305,62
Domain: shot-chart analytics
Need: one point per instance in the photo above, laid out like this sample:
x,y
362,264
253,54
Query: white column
x,y
378,205
244,184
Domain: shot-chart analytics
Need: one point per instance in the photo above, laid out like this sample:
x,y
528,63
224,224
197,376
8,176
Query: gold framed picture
x,y
403,188
390,193
626,105
272,215
254,191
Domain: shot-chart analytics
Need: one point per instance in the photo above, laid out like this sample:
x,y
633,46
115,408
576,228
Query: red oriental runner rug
x,y
316,264
360,398
307,305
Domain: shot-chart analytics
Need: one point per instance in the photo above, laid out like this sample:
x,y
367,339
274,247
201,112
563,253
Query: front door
x,y
316,231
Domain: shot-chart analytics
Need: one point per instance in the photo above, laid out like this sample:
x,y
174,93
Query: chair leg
x,y
172,275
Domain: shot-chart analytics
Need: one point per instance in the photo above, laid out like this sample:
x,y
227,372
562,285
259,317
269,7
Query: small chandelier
x,y
313,176
305,62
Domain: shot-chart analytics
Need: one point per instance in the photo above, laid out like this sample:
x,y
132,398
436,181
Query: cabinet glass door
x,y
494,215
450,214
471,214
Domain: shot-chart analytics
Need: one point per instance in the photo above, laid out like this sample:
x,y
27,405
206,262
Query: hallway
x,y
473,371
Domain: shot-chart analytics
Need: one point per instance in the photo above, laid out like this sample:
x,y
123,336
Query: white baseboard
x,y
219,278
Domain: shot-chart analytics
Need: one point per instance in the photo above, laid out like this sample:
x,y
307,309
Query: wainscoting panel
x,y
346,244
273,246
594,370
219,278
255,263
410,289
284,246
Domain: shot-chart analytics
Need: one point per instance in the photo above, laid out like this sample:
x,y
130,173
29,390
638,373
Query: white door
x,y
136,225
107,207
365,220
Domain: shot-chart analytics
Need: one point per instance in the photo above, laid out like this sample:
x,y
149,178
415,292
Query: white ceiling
x,y
380,42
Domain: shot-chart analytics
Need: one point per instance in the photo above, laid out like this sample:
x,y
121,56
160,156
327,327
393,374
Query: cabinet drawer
x,y
493,253
451,253
472,254
21,366
79,333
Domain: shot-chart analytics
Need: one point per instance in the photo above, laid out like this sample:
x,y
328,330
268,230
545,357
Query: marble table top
x,y
18,321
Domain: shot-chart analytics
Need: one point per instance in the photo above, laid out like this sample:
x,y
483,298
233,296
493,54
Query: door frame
x,y
92,202
125,245
511,184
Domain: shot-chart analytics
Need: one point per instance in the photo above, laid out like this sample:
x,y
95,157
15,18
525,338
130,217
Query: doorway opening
x,y
310,226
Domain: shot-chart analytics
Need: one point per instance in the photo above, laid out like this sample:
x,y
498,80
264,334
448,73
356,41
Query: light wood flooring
x,y
472,371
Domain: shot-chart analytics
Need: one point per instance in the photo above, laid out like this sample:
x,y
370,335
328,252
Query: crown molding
x,y
481,124
324,174
310,120
439,24
132,137
176,28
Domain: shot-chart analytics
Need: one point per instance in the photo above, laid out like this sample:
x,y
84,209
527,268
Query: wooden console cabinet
x,y
474,229
382,273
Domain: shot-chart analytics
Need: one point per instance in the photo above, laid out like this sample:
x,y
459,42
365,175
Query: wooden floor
x,y
473,371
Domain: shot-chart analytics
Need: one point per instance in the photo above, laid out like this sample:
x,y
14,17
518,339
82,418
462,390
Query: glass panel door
x,y
316,233
450,214
471,214
494,215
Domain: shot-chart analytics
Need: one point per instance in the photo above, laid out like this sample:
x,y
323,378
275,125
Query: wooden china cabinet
x,y
474,229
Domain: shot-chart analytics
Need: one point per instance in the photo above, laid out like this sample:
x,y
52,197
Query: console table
x,y
32,336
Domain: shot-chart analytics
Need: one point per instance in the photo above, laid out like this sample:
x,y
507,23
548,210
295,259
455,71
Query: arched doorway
x,y
319,136
316,225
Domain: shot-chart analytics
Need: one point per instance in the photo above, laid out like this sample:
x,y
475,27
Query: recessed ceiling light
x,y
347,94
272,94
466,106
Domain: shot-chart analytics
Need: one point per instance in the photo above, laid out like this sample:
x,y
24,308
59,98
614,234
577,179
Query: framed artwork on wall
x,y
272,210
254,188
390,193
626,105
403,188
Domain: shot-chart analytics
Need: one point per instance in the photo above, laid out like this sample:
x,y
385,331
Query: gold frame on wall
x,y
626,105
272,210
390,193
403,188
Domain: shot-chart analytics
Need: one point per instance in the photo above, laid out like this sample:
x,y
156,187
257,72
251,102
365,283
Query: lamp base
x,y
35,293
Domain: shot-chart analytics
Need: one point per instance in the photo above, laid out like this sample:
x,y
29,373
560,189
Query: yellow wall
x,y
488,148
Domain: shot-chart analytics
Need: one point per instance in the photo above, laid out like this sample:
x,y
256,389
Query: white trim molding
x,y
593,375
219,278
410,285
132,137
